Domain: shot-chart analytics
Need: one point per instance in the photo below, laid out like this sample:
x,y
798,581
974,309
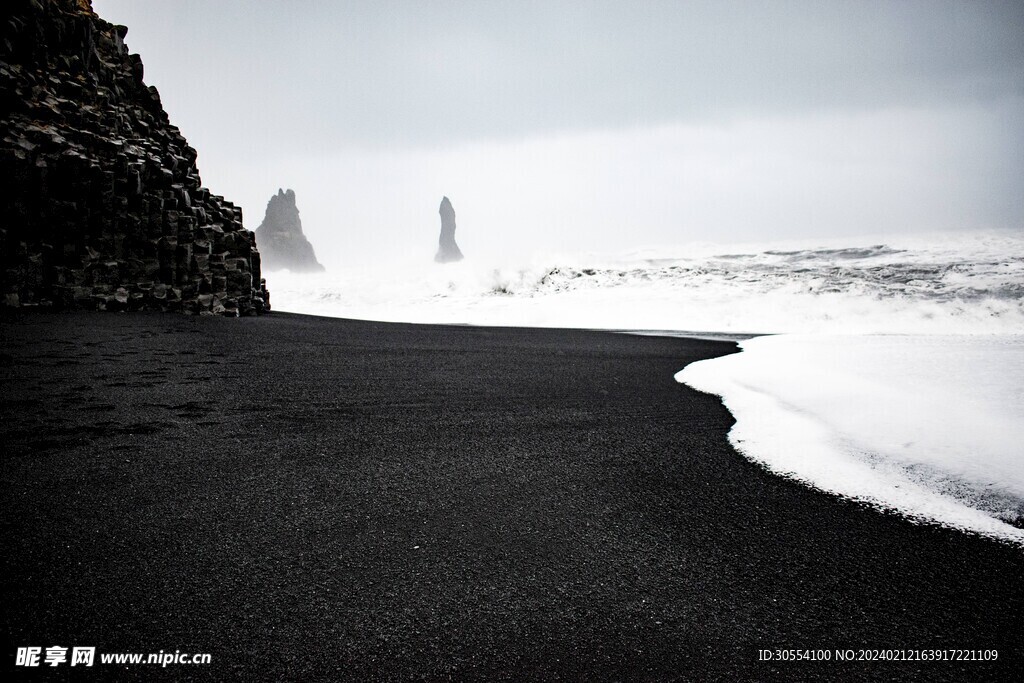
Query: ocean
x,y
890,371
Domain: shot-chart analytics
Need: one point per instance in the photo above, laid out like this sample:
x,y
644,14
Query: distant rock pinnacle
x,y
447,250
280,237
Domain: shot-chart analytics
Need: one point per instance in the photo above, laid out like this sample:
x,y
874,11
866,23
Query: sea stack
x,y
281,240
101,199
447,250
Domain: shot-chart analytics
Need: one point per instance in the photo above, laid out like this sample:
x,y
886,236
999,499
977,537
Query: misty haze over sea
x,y
573,127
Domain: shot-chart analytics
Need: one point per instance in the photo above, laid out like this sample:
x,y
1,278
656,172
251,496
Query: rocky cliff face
x,y
447,249
280,237
101,204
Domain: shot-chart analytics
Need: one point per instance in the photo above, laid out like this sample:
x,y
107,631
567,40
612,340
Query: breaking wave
x,y
964,284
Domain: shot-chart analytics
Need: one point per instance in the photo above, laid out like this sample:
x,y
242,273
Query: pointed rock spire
x,y
280,237
447,250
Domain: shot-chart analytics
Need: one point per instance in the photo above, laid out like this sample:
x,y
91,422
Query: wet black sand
x,y
315,499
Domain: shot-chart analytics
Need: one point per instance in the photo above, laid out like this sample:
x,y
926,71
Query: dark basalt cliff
x,y
280,236
447,249
101,204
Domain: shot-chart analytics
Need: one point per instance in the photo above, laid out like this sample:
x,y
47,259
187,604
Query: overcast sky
x,y
578,125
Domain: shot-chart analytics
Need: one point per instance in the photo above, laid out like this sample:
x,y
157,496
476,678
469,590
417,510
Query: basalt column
x,y
101,204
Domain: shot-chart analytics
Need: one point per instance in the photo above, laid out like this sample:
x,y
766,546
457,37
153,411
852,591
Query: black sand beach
x,y
317,499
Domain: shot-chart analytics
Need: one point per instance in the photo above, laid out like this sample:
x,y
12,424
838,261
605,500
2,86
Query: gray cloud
x,y
407,72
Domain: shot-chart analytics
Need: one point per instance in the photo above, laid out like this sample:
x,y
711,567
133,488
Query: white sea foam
x,y
897,378
930,426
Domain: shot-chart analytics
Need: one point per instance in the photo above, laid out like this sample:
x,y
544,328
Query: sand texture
x,y
318,499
